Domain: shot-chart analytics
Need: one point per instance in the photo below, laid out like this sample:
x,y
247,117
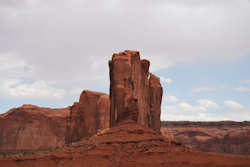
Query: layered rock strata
x,y
125,145
222,137
30,127
135,94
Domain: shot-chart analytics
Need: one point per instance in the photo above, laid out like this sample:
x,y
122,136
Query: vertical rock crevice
x,y
135,94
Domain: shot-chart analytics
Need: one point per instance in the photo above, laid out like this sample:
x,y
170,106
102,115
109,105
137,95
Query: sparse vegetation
x,y
21,153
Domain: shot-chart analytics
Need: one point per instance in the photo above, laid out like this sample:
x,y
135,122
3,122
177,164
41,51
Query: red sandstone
x,y
135,94
30,127
88,116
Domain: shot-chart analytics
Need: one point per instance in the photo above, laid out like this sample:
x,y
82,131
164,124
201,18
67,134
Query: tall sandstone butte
x,y
88,116
135,94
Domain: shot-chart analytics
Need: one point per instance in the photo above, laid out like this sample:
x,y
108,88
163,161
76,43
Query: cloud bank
x,y
53,48
71,41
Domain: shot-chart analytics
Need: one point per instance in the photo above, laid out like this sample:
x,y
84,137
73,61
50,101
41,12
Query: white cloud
x,y
203,106
8,61
36,90
5,85
166,80
12,65
189,108
247,81
202,111
207,104
75,91
184,107
233,105
242,89
81,30
174,114
203,89
185,111
72,45
182,111
15,73
171,99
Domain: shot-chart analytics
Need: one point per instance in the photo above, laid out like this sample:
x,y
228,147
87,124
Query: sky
x,y
51,50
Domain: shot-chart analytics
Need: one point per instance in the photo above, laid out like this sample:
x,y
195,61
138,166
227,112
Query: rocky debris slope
x,y
30,127
134,93
222,137
88,116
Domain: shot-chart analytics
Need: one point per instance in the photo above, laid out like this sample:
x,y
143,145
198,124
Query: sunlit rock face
x,y
88,116
135,94
31,127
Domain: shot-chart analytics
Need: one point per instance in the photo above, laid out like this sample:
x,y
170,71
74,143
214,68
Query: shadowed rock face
x,y
88,116
135,95
30,127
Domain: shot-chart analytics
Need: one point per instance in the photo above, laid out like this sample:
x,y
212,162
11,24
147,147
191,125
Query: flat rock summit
x,y
122,129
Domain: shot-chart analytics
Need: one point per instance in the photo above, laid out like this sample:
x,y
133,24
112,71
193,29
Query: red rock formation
x,y
88,116
30,127
155,92
132,142
134,94
222,137
125,145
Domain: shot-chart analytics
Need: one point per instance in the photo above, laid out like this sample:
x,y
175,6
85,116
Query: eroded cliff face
x,y
125,145
222,137
135,94
30,127
88,116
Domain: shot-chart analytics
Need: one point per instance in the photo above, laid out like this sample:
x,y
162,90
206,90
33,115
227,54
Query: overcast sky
x,y
50,50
